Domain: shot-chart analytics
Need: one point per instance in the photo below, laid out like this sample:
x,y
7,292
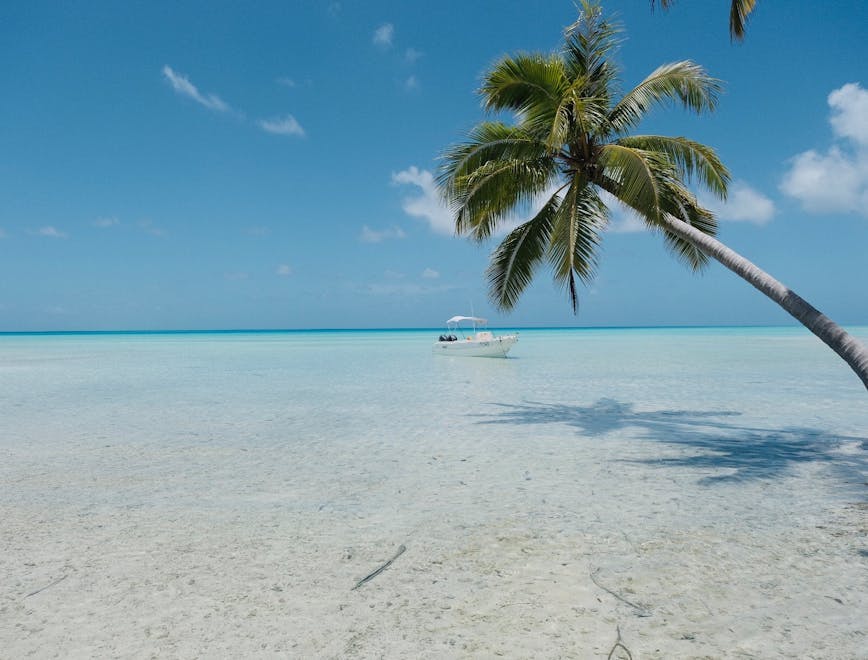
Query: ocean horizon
x,y
852,328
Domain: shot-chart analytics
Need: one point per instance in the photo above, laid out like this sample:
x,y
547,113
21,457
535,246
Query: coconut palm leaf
x,y
576,236
629,174
738,15
680,204
588,44
524,83
576,113
691,158
489,141
739,11
494,190
517,257
680,81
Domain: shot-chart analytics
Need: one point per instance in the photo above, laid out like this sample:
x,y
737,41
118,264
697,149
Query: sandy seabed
x,y
197,525
532,550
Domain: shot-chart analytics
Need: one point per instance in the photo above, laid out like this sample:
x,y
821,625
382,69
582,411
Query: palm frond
x,y
679,81
524,83
634,176
491,192
488,141
577,115
691,158
681,205
589,44
675,203
738,15
513,263
576,237
739,10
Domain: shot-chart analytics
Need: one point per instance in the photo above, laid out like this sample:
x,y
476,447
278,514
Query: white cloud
x,y
383,35
430,274
743,204
411,55
52,232
182,85
286,82
625,221
836,181
850,112
369,235
105,223
284,270
282,126
427,205
148,227
412,83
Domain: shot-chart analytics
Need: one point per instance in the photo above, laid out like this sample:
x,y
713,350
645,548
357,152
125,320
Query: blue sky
x,y
224,165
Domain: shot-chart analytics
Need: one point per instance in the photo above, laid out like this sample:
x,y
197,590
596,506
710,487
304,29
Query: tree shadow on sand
x,y
744,452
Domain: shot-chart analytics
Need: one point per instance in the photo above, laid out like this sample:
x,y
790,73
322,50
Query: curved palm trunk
x,y
834,336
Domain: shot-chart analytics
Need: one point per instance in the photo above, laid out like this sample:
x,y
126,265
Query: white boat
x,y
478,342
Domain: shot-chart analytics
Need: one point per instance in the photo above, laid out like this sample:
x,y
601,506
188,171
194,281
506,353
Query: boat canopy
x,y
459,319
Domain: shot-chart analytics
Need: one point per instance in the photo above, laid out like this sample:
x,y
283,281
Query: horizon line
x,y
202,331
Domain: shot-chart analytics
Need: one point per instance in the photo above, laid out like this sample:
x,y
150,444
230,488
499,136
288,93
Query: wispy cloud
x,y
384,35
286,82
105,223
405,289
287,125
411,55
182,85
625,221
412,83
430,274
837,180
427,205
284,270
148,227
369,235
743,204
236,276
52,232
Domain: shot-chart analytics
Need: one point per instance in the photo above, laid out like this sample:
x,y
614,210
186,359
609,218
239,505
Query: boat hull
x,y
494,347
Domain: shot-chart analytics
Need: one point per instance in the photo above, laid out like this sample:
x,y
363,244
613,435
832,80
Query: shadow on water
x,y
745,452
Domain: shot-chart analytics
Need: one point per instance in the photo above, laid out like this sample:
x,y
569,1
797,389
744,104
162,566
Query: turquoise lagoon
x,y
713,477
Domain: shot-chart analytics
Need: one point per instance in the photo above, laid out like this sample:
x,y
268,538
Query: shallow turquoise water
x,y
644,454
351,388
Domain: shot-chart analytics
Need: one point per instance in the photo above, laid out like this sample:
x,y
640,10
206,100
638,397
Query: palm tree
x,y
739,11
571,147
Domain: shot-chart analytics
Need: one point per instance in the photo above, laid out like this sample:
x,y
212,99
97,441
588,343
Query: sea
x,y
660,451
